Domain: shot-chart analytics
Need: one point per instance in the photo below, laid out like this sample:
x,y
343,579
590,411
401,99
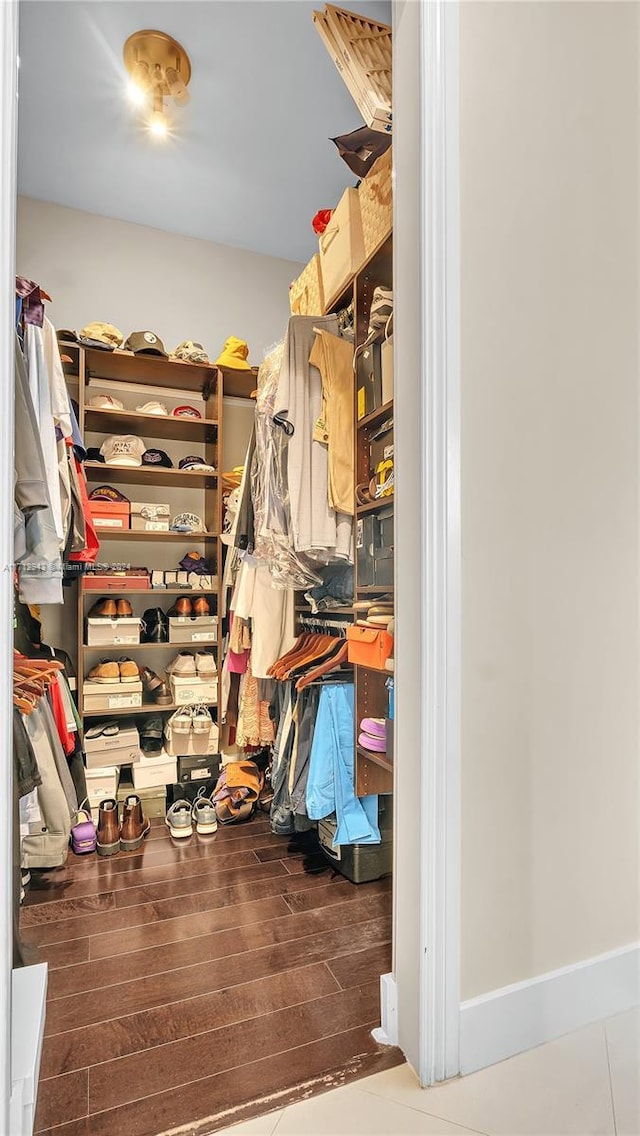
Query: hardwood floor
x,y
192,986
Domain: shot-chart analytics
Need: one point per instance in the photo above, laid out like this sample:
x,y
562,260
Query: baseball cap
x,y
123,450
105,402
107,493
145,343
67,335
186,412
195,463
191,352
157,457
102,335
94,455
152,407
234,355
187,523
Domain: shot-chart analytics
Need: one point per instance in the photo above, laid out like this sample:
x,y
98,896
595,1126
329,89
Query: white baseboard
x,y
519,1017
387,1033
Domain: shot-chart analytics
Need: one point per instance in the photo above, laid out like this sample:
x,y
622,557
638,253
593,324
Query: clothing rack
x,y
315,623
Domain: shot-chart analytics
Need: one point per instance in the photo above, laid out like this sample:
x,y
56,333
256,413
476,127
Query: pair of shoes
x,y
155,687
111,609
182,815
115,670
155,626
187,665
186,606
83,832
188,718
113,837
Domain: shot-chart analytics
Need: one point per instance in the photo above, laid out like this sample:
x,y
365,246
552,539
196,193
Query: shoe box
x,y
118,749
103,632
98,696
109,514
154,772
150,517
386,366
102,782
193,628
154,799
374,549
130,578
192,744
200,767
185,691
361,863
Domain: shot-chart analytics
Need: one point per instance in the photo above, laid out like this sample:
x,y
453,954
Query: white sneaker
x,y
201,720
183,666
206,665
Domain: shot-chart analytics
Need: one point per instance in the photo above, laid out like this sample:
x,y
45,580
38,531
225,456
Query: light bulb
x,y
135,94
158,125
177,87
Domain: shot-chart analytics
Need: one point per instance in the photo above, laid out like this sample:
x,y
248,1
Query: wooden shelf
x,y
146,475
238,384
95,594
134,711
200,646
152,425
149,370
134,537
373,506
376,416
380,759
376,589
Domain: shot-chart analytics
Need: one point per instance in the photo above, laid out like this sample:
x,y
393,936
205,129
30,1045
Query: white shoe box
x,y
117,749
102,783
192,744
193,690
150,772
113,632
193,628
99,696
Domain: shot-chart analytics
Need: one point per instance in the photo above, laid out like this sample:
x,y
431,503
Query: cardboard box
x,y
149,517
386,366
111,696
192,744
341,245
198,768
103,632
193,690
154,772
102,783
193,628
118,749
110,514
116,581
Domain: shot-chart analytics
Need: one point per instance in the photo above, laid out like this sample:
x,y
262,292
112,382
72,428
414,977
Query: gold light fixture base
x,y
161,53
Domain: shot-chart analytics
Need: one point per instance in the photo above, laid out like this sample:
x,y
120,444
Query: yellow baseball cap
x,y
101,335
234,355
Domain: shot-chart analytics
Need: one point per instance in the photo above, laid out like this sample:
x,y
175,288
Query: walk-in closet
x,y
204,603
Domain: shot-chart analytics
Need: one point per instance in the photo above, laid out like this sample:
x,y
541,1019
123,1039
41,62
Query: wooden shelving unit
x,y
135,379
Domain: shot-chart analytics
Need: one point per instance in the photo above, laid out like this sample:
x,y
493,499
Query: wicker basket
x,y
361,51
376,203
306,294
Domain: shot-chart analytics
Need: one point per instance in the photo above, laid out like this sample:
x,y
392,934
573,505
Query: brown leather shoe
x,y
104,609
183,606
123,608
135,825
201,606
108,835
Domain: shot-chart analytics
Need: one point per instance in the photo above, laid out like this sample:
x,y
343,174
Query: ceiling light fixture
x,y
159,68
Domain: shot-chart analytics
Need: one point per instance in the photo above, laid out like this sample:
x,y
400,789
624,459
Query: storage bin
x,y
111,632
306,294
341,246
361,51
98,696
376,203
154,772
133,578
375,548
369,646
193,628
198,768
360,863
110,514
102,783
115,749
186,691
146,516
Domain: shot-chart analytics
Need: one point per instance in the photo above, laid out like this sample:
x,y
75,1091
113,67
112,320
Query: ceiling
x,y
250,161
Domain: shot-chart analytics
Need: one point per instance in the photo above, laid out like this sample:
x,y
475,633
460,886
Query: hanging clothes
x,y
333,357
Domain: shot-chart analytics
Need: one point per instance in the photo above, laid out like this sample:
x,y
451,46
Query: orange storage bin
x,y
110,514
369,646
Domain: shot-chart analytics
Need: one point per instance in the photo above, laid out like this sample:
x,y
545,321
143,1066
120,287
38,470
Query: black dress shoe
x,y
155,626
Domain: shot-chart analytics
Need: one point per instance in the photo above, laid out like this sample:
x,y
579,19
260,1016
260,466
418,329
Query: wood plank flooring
x,y
195,985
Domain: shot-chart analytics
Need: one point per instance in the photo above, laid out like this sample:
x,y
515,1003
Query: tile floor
x,y
586,1084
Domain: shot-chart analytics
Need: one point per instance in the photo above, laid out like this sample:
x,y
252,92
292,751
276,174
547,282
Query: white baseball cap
x,y
123,450
106,402
152,407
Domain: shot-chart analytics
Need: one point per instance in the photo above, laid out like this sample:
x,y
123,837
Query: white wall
x,y
95,268
549,235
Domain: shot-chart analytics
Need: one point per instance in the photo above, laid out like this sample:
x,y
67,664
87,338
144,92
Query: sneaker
x,y
206,665
201,720
178,820
203,815
135,825
183,666
129,671
181,721
105,671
